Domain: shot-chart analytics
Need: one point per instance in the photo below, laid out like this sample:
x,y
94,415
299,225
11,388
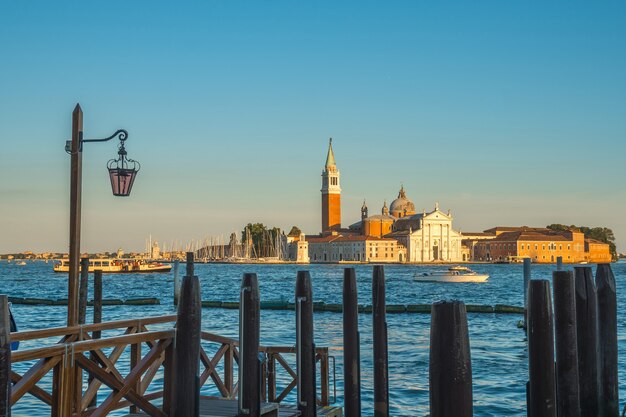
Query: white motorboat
x,y
452,274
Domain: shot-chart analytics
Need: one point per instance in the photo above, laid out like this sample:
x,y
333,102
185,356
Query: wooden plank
x,y
87,345
228,371
35,391
117,385
109,365
75,330
111,401
5,357
212,407
135,358
27,382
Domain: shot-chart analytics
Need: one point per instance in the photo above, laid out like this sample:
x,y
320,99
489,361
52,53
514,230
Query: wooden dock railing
x,y
125,363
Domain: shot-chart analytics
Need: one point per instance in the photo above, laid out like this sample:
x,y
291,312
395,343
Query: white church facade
x,y
429,237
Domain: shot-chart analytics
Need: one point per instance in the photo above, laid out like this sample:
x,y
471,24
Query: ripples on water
x,y
499,356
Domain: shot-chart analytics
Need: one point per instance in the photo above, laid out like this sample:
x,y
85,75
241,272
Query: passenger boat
x,y
117,266
452,274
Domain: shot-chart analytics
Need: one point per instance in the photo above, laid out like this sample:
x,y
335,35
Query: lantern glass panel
x,y
122,181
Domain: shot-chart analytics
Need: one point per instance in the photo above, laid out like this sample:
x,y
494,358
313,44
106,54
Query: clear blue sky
x,y
508,113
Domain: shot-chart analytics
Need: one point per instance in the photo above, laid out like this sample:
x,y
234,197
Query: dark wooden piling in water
x,y
381,358
607,339
249,334
5,357
587,337
559,263
450,370
97,318
97,300
185,402
82,290
305,346
527,264
527,277
351,346
176,282
189,265
541,350
568,398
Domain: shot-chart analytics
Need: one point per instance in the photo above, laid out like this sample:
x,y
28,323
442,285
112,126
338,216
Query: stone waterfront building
x,y
541,245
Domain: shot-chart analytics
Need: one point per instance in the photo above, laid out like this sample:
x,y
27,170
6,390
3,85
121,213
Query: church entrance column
x,y
430,242
449,243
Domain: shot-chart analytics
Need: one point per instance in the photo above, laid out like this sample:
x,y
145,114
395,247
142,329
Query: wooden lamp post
x,y
122,172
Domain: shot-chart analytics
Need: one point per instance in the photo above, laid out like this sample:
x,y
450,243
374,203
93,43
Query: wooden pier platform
x,y
215,407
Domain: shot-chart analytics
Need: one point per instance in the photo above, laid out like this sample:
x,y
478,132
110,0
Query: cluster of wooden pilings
x,y
573,350
450,364
187,391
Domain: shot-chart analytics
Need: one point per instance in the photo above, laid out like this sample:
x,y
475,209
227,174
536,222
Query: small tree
x,y
295,231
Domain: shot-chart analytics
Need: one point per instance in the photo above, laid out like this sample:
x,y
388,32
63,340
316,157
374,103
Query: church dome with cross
x,y
401,206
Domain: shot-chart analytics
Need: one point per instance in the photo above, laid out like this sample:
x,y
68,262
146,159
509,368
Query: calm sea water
x,y
499,355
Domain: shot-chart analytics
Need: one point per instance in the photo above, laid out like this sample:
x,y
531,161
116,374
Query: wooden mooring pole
x,y
567,398
190,264
607,339
97,300
351,346
587,337
249,335
381,358
176,282
5,357
186,401
450,370
541,350
305,346
97,318
83,288
527,277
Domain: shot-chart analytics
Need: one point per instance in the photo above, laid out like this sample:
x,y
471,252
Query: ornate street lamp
x,y
122,172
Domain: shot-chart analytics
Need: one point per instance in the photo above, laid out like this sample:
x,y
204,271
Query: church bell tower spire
x,y
331,193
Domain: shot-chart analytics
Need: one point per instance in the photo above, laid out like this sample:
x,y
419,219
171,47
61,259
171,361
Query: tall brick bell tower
x,y
331,194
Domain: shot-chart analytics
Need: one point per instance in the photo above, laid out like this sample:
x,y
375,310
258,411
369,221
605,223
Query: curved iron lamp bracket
x,y
122,134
